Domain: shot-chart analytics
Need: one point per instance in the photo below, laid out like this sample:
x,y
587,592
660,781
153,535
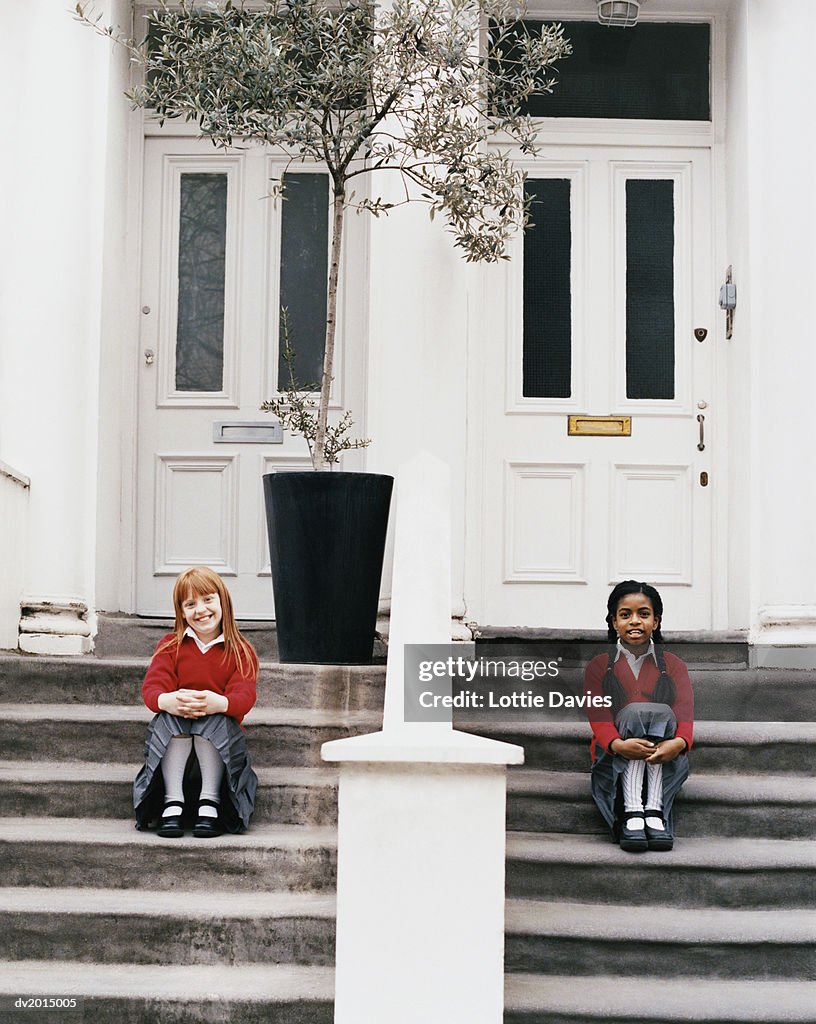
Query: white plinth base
x,y
426,742
785,637
55,627
50,643
420,887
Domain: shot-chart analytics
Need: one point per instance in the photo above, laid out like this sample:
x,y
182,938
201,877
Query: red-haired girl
x,y
201,683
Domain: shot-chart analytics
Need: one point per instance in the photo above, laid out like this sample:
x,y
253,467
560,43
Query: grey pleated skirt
x,y
238,785
645,721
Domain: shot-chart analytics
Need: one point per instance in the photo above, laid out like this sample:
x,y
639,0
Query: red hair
x,y
199,582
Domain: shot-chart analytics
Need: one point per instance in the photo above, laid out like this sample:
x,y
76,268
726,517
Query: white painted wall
x,y
58,75
743,429
780,244
419,318
14,488
119,329
69,317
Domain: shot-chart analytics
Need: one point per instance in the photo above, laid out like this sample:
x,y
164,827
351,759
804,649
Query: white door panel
x,y
210,345
562,518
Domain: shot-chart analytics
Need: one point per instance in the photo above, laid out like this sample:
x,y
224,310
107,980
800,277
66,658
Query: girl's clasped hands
x,y
193,703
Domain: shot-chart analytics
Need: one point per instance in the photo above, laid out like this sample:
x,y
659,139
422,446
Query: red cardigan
x,y
639,690
189,669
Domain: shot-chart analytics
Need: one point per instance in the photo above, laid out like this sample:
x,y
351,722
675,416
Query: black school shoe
x,y
171,827
659,839
207,828
633,840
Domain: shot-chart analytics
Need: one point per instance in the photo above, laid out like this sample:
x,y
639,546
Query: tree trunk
x,y
338,210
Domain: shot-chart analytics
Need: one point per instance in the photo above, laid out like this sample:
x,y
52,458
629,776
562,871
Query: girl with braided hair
x,y
640,741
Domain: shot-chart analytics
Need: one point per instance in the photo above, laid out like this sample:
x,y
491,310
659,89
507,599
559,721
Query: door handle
x,y
701,443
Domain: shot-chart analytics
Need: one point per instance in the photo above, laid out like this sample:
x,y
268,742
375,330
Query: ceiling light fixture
x,y
618,13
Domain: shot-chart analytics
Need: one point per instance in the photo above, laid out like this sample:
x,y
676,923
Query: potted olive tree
x,y
412,87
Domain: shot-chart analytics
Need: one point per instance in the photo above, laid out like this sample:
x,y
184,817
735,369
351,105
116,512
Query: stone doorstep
x,y
136,636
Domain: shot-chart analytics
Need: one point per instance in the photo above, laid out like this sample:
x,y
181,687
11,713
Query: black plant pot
x,y
326,544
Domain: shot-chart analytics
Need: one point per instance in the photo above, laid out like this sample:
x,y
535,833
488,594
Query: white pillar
x,y
775,267
57,78
421,828
420,308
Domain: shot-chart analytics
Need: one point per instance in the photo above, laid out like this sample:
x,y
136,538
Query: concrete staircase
x,y
241,928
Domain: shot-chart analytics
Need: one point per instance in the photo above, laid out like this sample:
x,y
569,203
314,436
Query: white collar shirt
x,y
189,631
635,662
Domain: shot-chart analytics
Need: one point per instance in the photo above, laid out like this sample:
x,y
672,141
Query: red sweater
x,y
639,690
189,669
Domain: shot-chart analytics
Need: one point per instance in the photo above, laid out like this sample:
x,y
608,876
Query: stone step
x,y
557,999
721,693
286,796
45,679
136,636
143,994
777,807
145,926
700,872
695,647
771,747
293,736
141,926
147,994
85,852
109,733
575,938
111,854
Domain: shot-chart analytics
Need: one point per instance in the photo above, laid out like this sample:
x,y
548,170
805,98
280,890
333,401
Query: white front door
x,y
594,318
219,257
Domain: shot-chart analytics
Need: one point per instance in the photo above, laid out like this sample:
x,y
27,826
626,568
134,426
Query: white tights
x,y
209,761
633,792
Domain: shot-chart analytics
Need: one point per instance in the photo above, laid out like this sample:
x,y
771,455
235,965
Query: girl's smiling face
x,y
635,621
202,612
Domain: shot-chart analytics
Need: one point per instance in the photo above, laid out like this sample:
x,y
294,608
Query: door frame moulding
x,y
564,133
